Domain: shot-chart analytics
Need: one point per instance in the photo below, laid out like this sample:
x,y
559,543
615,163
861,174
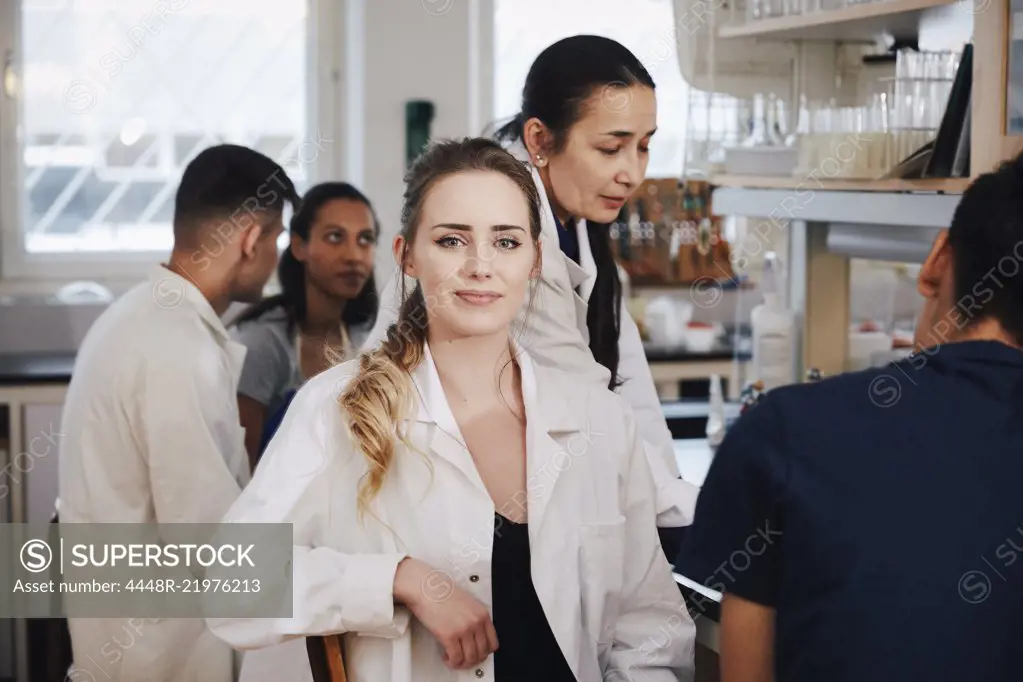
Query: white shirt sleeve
x,y
551,318
654,635
333,592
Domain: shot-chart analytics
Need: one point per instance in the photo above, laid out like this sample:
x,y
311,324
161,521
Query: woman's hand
x,y
454,617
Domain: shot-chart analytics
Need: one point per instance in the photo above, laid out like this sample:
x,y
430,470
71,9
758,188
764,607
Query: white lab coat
x,y
554,331
152,435
598,567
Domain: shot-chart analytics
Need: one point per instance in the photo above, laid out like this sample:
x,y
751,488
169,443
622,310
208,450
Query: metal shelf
x,y
862,22
947,185
827,206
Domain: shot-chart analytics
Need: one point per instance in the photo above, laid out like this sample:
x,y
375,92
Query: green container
x,y
418,117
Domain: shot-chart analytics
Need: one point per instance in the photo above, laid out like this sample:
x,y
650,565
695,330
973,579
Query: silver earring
x,y
540,161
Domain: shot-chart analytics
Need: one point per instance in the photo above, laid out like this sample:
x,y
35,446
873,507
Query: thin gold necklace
x,y
346,347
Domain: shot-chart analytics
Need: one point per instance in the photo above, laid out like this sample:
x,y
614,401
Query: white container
x,y
774,327
701,339
863,346
774,335
665,318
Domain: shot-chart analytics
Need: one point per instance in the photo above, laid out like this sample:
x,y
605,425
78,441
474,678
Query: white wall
x,y
437,50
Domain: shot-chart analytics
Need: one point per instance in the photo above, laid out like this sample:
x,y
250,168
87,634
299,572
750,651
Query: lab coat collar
x,y
555,410
519,151
171,290
555,416
583,274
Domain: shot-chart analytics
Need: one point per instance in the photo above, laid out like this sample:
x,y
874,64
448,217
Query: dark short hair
x,y
229,182
986,237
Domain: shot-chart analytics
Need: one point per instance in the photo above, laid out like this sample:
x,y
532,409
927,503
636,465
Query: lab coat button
x,y
479,672
474,578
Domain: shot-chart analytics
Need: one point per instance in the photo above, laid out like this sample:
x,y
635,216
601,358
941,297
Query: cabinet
x,y
32,392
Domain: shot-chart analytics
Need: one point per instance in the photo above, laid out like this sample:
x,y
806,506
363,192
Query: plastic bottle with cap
x,y
774,332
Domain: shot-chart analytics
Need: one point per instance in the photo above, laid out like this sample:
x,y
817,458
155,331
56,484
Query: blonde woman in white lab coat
x,y
461,512
588,115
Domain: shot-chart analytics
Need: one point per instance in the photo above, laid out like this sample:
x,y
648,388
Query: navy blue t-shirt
x,y
881,514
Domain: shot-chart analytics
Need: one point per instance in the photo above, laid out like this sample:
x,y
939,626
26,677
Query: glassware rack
x,y
900,114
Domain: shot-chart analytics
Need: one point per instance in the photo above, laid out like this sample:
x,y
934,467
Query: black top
x,y
879,513
527,650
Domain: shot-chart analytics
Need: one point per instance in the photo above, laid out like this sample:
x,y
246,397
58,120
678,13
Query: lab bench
x,y
671,365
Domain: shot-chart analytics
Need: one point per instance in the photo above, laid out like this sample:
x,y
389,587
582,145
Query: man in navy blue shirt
x,y
869,527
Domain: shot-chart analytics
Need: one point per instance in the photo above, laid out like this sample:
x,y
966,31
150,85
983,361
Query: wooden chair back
x,y
326,659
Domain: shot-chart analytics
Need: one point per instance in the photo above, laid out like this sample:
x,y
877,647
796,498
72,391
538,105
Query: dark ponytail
x,y
512,130
361,310
562,78
604,312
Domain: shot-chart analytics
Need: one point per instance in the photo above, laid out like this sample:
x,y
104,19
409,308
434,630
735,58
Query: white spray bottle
x,y
774,332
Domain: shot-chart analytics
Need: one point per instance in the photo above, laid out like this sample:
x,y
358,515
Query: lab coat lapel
x,y
578,278
577,274
552,421
171,289
587,265
582,275
433,410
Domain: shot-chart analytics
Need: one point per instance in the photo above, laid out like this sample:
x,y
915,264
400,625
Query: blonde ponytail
x,y
380,395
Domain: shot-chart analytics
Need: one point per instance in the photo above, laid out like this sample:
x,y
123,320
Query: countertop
x,y
694,457
734,342
720,351
35,368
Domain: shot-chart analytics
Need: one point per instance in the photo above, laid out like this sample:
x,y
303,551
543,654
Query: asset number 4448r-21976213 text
x,y
232,585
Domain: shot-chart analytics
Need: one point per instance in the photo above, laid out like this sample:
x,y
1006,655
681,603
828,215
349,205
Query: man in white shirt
x,y
151,418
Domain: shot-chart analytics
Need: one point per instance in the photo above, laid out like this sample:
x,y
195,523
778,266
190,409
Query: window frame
x,y
20,270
